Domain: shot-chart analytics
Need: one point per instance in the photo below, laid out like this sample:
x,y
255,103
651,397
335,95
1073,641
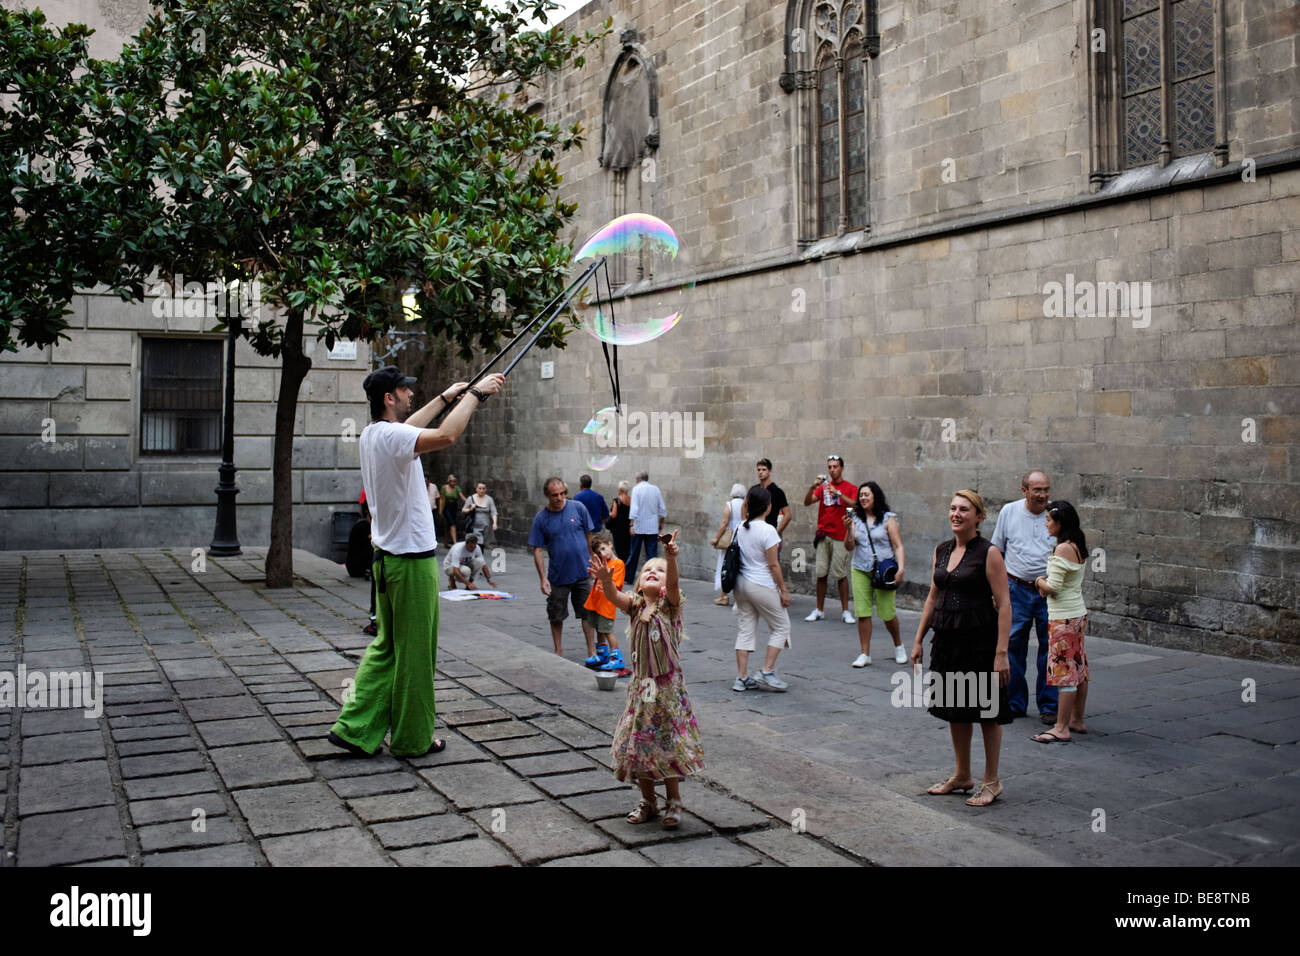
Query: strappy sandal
x,y
949,786
644,811
986,785
672,814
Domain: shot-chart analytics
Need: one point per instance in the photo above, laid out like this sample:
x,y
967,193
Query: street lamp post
x,y
225,539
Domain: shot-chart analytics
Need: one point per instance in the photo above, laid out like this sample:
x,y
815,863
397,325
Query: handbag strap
x,y
874,560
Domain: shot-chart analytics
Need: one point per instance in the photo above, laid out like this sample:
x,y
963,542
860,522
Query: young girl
x,y
657,738
1067,622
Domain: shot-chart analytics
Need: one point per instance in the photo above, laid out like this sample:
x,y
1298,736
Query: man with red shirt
x,y
836,497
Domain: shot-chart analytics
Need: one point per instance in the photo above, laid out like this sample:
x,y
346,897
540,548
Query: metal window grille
x,y
180,397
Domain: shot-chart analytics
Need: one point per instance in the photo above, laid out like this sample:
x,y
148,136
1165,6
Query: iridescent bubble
x,y
603,463
604,419
647,271
628,234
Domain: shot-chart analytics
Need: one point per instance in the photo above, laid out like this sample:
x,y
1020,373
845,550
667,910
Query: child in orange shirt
x,y
600,611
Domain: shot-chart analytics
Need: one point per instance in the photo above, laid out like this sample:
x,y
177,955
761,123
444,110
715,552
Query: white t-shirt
x,y
400,519
754,542
457,555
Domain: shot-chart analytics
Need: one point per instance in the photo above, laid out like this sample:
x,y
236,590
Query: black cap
x,y
387,379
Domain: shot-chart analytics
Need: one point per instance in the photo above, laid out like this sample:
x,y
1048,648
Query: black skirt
x,y
962,686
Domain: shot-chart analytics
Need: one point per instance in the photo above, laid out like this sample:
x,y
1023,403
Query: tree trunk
x,y
294,366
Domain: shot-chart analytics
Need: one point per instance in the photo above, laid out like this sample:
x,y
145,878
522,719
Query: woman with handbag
x,y
877,546
722,537
479,515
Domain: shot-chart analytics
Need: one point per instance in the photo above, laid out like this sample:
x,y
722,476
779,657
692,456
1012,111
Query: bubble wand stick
x,y
550,312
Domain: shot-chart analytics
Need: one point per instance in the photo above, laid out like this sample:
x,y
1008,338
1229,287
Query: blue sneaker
x,y
597,661
615,662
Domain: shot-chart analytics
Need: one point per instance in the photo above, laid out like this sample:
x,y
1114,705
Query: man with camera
x,y
835,497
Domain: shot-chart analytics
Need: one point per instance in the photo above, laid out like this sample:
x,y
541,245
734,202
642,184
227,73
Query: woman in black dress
x,y
619,522
969,607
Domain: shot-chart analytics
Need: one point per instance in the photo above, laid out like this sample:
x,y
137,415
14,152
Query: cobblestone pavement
x,y
217,694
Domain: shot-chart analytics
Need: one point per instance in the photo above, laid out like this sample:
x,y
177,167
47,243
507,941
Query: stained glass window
x,y
1183,30
855,130
828,146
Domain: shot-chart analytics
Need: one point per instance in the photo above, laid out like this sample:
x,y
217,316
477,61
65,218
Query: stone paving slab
x,y
293,808
481,785
342,847
477,852
398,806
166,809
420,831
63,748
711,851
536,832
258,765
68,786
74,836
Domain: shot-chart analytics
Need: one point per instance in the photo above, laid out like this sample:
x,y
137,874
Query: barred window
x,y
180,397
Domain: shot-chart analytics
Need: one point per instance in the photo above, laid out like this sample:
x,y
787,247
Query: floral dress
x,y
657,737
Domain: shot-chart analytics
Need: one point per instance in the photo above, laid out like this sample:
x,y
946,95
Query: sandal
x,y
986,785
950,786
723,601
672,814
645,810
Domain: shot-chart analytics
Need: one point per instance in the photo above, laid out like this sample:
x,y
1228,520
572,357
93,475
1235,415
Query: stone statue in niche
x,y
631,124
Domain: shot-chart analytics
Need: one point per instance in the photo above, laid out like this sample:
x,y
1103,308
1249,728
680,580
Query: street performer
x,y
394,682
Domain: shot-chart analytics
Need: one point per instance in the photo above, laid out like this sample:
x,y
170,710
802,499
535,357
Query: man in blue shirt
x,y
594,503
1021,535
563,528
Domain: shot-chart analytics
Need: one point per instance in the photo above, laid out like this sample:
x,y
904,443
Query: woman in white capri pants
x,y
760,592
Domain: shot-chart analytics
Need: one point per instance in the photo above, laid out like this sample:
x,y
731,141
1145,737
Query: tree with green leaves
x,y
340,156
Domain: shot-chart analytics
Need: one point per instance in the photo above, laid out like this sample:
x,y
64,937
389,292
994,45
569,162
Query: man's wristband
x,y
477,394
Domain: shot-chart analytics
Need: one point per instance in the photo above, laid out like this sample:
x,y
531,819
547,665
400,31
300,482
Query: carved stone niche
x,y
630,120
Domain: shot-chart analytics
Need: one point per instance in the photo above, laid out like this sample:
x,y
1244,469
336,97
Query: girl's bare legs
x,y
1076,719
1064,710
671,786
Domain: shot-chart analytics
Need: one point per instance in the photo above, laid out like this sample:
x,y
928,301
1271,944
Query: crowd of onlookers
x,y
985,596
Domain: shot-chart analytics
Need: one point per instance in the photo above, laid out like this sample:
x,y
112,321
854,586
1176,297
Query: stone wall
x,y
924,353
91,487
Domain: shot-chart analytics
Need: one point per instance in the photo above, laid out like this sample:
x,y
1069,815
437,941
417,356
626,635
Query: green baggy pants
x,y
394,683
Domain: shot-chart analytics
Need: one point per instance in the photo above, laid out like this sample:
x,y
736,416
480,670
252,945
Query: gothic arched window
x,y
828,43
1157,81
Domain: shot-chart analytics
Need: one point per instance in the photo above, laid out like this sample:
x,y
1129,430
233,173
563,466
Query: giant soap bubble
x,y
648,273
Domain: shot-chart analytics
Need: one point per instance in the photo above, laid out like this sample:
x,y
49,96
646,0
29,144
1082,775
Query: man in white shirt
x,y
394,683
464,561
1021,535
647,514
